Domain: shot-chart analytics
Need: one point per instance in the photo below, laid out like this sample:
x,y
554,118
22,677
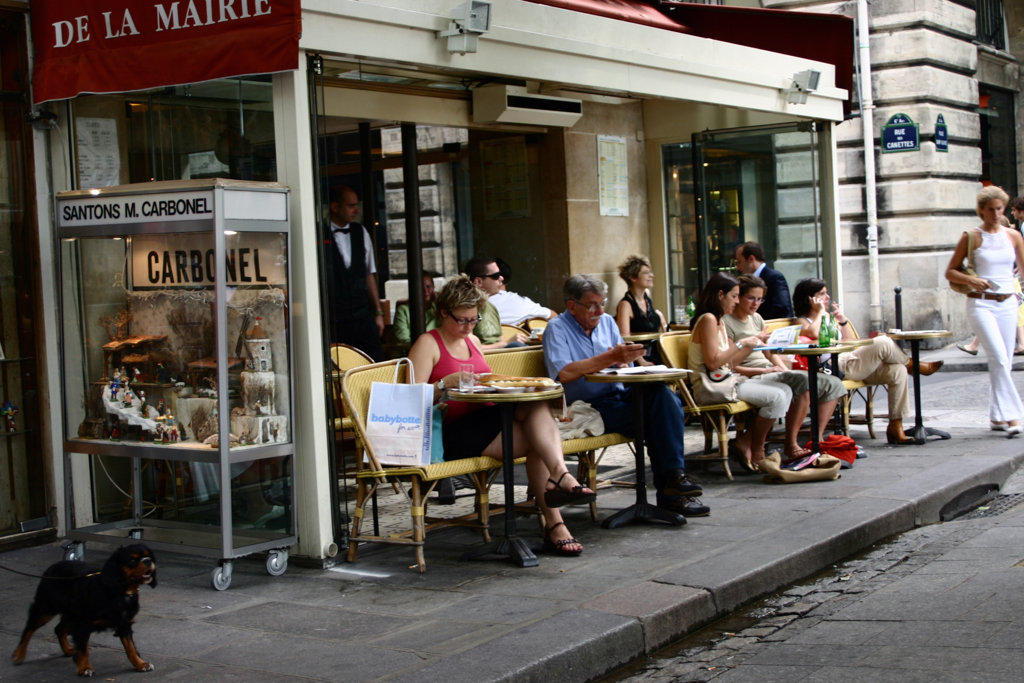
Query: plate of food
x,y
510,384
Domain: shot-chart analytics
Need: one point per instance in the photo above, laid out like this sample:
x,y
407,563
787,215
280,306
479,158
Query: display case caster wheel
x,y
277,561
220,578
135,534
74,552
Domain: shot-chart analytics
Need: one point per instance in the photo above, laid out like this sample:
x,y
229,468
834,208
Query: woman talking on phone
x,y
991,305
881,363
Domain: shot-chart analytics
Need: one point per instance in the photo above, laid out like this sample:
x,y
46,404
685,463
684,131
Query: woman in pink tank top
x,y
474,429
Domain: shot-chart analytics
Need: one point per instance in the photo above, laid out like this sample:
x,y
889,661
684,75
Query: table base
x,y
922,433
520,551
643,512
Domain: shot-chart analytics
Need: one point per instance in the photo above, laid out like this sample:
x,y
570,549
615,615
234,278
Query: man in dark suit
x,y
777,302
356,316
1016,208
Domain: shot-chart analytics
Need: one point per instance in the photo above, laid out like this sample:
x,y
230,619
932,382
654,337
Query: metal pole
x,y
899,307
867,114
413,249
366,181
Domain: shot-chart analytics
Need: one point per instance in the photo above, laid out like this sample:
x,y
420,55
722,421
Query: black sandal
x,y
558,547
560,497
737,455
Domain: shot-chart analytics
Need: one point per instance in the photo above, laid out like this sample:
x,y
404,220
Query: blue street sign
x,y
941,135
900,134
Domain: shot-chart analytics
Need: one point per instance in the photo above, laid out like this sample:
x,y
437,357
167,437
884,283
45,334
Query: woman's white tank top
x,y
993,259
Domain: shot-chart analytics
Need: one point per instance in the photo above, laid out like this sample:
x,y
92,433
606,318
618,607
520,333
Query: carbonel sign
x,y
146,208
107,46
900,134
172,261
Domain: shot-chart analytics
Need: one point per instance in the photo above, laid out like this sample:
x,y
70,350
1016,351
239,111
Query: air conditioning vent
x,y
512,104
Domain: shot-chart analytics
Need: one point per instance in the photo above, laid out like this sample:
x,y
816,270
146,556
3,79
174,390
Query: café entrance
x,y
726,187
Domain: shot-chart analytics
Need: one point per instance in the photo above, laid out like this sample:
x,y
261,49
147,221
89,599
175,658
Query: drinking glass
x,y
681,313
467,380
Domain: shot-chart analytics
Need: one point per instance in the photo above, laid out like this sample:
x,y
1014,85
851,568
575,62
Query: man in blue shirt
x,y
584,339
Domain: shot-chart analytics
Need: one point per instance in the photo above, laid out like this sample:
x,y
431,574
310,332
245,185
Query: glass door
x,y
22,480
728,187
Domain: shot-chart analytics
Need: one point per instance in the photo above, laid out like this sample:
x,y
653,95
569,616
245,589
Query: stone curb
x,y
680,602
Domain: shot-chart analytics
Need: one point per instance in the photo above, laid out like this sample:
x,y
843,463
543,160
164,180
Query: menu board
x,y
613,175
99,161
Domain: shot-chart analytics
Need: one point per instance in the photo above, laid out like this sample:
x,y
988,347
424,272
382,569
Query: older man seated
x,y
583,340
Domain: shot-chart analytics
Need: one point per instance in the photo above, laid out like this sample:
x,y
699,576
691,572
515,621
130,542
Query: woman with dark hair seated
x,y
881,363
711,351
745,321
473,429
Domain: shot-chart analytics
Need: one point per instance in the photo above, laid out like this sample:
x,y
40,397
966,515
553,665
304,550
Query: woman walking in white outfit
x,y
992,306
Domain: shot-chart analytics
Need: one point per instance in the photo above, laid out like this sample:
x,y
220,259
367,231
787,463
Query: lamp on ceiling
x,y
804,82
469,20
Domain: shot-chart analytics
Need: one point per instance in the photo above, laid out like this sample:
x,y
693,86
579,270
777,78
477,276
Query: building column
x,y
313,478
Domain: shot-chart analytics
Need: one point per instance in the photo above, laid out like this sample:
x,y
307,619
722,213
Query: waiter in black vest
x,y
357,318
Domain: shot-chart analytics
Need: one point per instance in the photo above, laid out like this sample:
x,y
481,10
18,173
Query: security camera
x,y
469,20
803,82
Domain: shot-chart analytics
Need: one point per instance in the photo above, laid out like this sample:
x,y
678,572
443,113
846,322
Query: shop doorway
x,y
23,504
728,187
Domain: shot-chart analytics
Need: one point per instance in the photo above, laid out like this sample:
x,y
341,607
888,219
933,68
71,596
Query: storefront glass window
x,y
219,129
730,187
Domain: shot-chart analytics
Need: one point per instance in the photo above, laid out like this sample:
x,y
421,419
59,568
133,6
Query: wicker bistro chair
x,y
344,357
714,419
370,474
509,332
531,324
866,392
588,451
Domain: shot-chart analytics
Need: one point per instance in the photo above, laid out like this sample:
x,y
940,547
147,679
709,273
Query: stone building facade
x,y
928,57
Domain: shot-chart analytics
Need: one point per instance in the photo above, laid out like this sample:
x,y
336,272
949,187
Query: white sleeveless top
x,y
994,258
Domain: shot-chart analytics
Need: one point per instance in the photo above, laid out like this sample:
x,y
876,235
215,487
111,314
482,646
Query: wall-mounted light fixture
x,y
804,82
469,20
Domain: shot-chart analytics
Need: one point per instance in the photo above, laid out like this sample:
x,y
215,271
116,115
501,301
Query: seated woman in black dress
x,y
635,313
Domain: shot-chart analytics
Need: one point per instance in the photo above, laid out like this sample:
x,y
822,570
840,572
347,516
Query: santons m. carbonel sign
x,y
106,46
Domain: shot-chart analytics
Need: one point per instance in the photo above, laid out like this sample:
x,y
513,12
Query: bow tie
x,y
343,231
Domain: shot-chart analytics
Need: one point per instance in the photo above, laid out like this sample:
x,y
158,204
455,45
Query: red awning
x,y
827,38
106,46
633,11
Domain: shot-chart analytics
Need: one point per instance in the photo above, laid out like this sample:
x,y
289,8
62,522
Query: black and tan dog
x,y
89,600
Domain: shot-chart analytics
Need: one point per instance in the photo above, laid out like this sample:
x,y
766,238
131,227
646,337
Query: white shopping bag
x,y
398,421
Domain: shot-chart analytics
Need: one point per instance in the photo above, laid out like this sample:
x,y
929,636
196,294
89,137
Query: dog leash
x,y
53,578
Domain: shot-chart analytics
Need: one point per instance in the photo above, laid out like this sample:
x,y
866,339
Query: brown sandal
x,y
560,497
558,547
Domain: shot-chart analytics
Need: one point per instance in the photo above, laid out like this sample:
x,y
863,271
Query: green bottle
x,y
691,308
825,332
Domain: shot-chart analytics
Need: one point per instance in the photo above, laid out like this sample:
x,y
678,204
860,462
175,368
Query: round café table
x,y
921,433
813,353
519,550
641,510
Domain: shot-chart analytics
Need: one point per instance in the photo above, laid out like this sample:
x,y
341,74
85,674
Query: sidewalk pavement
x,y
960,361
633,590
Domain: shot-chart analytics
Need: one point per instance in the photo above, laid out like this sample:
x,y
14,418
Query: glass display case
x,y
177,368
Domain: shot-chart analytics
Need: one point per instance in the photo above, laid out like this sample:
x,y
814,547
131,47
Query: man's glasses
x,y
592,307
494,276
466,321
754,300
